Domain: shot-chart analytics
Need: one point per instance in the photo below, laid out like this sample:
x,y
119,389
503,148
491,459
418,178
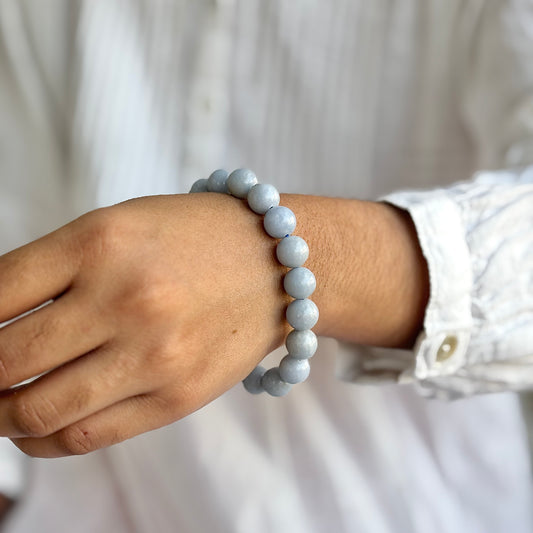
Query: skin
x,y
161,304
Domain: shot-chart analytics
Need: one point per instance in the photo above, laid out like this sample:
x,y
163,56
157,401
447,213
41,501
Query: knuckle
x,y
149,299
103,232
30,419
156,296
166,359
74,440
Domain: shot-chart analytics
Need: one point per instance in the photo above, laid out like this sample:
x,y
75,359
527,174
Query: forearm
x,y
372,279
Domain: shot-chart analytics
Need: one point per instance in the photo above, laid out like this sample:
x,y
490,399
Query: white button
x,y
447,348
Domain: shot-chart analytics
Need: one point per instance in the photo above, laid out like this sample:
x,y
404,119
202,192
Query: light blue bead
x,y
199,186
273,384
252,383
302,314
299,283
292,251
292,370
217,181
262,197
240,181
301,344
279,222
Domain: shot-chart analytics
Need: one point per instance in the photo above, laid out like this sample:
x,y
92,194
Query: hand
x,y
161,304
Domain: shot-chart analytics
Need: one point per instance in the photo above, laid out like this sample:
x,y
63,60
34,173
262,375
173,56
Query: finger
x,y
110,426
35,273
70,393
50,336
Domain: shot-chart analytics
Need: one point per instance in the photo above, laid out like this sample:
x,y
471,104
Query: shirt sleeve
x,y
477,239
12,469
476,236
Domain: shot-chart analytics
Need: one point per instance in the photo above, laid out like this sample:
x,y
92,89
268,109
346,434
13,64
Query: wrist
x,y
372,278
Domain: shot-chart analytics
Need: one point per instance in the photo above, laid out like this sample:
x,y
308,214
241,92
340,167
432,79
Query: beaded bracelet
x,y
299,283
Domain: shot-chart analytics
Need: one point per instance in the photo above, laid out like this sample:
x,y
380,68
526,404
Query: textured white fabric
x,y
105,100
478,241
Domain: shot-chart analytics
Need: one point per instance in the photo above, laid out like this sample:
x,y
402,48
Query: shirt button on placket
x,y
447,348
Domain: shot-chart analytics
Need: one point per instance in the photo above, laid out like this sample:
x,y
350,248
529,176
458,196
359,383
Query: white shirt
x,y
102,101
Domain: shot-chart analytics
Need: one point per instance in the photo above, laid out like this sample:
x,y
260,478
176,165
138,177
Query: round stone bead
x,y
240,182
262,197
292,370
292,251
217,182
273,384
301,344
279,222
199,186
302,314
299,283
252,383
